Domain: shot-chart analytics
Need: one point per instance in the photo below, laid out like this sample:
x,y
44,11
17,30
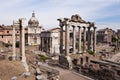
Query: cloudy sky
x,y
105,13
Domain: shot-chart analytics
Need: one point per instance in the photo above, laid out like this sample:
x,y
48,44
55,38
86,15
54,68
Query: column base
x,y
84,51
79,52
74,52
26,74
13,57
94,51
23,61
25,65
65,62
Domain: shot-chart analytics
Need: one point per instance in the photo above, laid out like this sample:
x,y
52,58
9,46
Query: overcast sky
x,y
105,13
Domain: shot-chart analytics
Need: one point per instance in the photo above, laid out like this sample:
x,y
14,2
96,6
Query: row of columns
x,y
89,44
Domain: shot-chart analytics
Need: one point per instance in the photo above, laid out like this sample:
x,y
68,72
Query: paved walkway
x,y
67,74
116,58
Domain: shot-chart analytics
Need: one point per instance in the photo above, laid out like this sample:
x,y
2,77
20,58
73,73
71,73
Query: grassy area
x,y
91,52
43,58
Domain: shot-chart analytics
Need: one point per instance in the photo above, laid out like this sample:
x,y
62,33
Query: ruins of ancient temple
x,y
89,42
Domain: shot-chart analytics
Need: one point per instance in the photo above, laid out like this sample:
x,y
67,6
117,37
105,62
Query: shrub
x,y
44,58
114,39
91,52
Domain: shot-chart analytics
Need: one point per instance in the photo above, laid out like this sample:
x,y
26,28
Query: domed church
x,y
34,31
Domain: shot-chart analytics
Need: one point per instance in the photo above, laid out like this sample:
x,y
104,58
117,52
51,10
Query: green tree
x,y
114,39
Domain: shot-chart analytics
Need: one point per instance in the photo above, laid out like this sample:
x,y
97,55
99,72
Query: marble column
x,y
50,44
14,41
79,46
20,42
67,39
74,40
47,45
84,39
94,40
61,39
22,25
22,47
43,41
89,40
41,44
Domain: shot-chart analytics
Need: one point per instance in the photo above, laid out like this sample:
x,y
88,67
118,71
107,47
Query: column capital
x,y
61,24
73,26
79,26
88,27
84,27
94,27
67,24
92,24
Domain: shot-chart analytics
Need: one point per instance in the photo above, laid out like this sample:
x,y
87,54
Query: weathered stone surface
x,y
38,72
14,78
65,62
39,77
26,74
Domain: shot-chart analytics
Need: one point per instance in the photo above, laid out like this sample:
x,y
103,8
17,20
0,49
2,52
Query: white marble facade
x,y
34,31
50,42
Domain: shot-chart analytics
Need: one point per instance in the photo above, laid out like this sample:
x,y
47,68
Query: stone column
x,y
91,37
14,41
89,40
84,39
94,40
50,44
20,41
61,40
22,47
41,44
74,40
67,39
47,44
79,47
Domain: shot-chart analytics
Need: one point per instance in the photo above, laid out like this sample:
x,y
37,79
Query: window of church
x,y
2,36
7,31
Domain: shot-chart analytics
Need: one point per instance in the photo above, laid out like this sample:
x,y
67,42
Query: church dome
x,y
33,21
